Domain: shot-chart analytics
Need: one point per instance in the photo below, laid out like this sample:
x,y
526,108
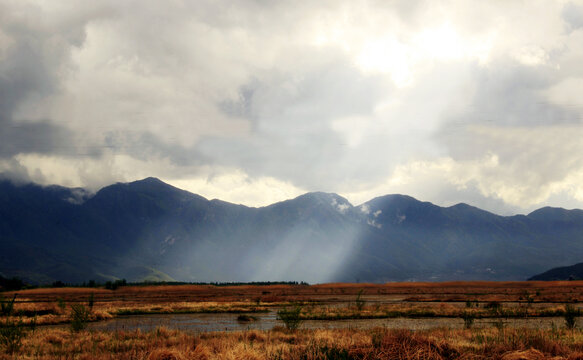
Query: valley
x,y
448,320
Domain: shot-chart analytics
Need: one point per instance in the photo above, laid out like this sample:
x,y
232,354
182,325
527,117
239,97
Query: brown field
x,y
164,344
326,301
323,301
541,291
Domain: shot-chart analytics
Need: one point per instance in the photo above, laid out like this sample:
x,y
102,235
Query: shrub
x,y
291,318
115,284
58,284
61,303
91,301
470,303
7,306
359,301
11,332
79,317
246,318
570,316
499,324
11,284
468,319
494,306
11,335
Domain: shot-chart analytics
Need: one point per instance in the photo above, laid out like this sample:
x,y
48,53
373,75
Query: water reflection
x,y
266,321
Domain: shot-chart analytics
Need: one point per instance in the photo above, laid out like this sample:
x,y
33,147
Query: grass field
x,y
326,302
508,344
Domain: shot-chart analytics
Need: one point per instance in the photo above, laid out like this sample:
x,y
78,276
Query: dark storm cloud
x,y
573,15
37,137
145,145
30,70
23,75
505,96
339,96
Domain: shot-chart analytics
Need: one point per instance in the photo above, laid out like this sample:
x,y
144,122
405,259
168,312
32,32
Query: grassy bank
x,y
506,344
411,310
59,312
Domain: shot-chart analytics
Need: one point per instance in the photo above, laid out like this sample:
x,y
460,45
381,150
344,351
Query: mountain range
x,y
149,230
573,272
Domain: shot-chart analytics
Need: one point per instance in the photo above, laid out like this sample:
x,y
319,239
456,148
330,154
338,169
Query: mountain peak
x,y
317,200
394,198
149,180
326,199
549,213
151,187
469,209
462,206
318,236
396,202
323,196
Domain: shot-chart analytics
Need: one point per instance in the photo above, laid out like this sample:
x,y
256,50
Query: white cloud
x,y
240,188
447,101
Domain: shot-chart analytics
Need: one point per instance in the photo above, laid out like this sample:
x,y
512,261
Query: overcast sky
x,y
259,101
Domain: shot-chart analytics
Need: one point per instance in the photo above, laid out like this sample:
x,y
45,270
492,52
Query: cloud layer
x,y
255,102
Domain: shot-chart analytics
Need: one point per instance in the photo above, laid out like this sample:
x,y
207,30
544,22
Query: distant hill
x,y
573,272
149,230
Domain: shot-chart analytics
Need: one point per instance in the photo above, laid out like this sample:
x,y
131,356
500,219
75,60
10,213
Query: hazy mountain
x,y
150,230
573,272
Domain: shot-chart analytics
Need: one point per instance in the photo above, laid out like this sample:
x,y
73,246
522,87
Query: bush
x,y
359,301
495,306
468,319
7,306
570,316
115,284
11,332
246,318
11,284
61,303
79,317
91,301
11,335
291,318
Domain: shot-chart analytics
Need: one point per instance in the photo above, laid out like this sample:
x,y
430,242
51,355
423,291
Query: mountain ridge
x,y
571,272
148,230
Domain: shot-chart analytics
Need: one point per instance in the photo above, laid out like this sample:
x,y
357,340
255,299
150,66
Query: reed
x,y
163,343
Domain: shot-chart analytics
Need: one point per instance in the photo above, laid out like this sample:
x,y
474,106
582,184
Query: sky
x,y
254,101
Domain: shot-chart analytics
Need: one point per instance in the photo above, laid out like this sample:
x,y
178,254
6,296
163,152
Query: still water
x,y
266,321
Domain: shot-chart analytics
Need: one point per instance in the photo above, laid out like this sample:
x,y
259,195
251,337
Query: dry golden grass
x,y
325,301
429,310
552,291
163,344
53,306
50,313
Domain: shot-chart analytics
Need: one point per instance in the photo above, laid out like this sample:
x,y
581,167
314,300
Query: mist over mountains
x,y
149,230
